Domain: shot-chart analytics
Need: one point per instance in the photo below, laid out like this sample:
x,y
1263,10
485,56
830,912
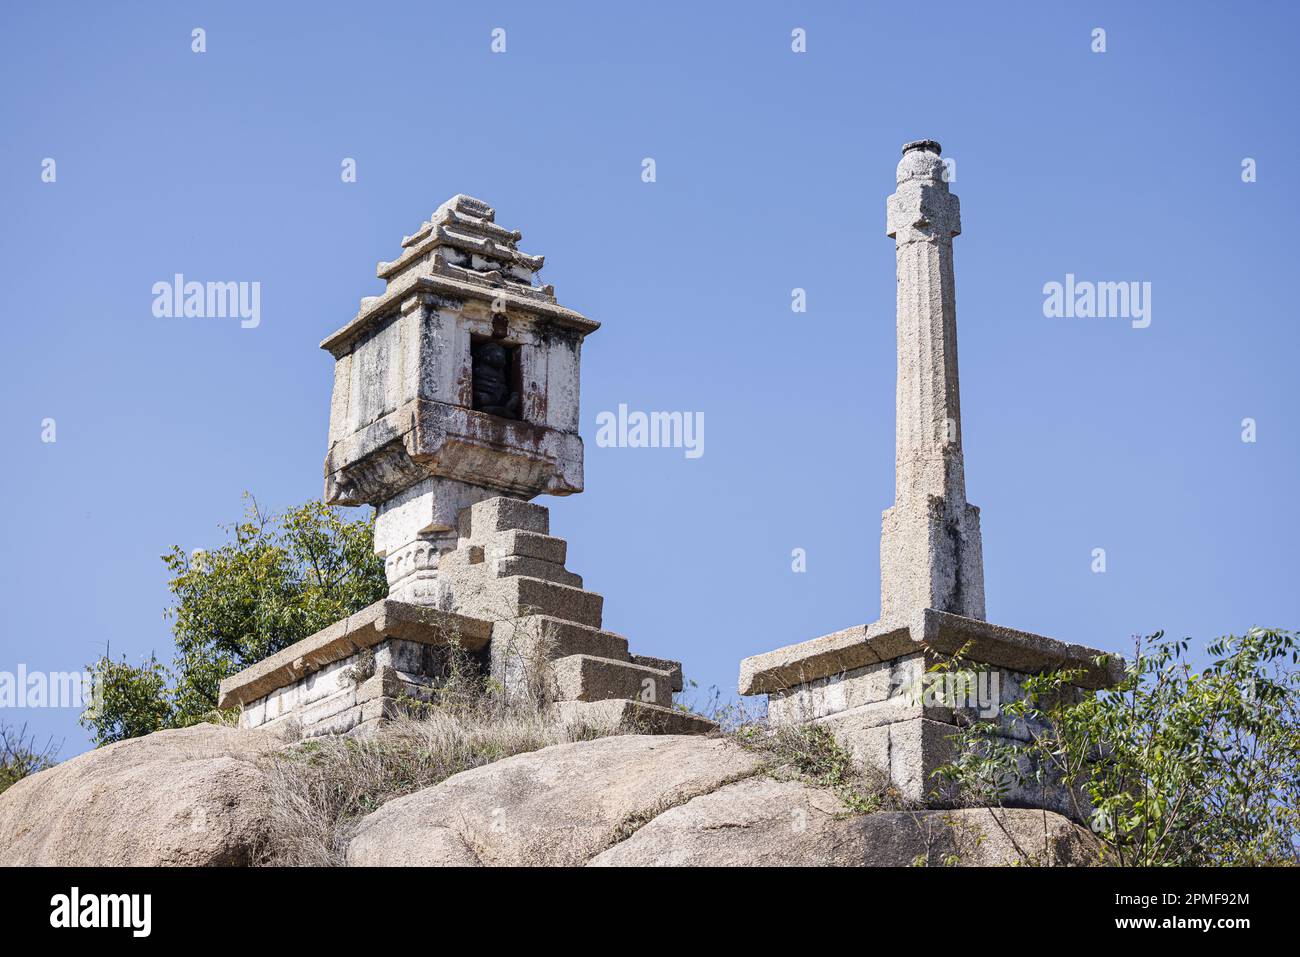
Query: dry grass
x,y
321,787
811,753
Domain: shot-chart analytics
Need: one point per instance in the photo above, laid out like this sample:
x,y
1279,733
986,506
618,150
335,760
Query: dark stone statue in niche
x,y
492,388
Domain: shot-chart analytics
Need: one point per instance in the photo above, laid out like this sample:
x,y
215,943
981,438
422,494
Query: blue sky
x,y
772,173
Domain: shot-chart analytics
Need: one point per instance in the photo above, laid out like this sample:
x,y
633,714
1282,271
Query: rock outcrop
x,y
685,801
194,796
561,805
201,796
761,822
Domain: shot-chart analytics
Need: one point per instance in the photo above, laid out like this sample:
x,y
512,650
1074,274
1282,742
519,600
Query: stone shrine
x,y
455,403
863,682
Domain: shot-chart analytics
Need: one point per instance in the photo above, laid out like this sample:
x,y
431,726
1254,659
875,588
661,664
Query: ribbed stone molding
x,y
412,570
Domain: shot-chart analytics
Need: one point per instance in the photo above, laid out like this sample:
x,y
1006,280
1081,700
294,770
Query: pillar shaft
x,y
930,548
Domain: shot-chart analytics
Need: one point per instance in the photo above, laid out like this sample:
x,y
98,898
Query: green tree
x,y
21,756
1175,766
130,700
277,579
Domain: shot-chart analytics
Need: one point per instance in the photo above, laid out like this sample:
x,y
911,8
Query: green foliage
x,y
131,701
276,580
20,756
1175,766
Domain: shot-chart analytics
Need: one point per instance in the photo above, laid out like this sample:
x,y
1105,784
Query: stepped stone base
x,y
502,595
547,639
868,685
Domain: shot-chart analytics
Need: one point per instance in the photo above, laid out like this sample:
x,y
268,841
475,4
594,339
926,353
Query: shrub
x,y
278,579
20,756
1175,766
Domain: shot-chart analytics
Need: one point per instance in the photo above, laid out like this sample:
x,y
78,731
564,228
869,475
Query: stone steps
x,y
521,566
546,636
674,668
521,595
547,639
633,717
588,678
519,543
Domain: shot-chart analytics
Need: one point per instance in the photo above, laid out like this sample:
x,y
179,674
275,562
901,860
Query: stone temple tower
x,y
458,384
868,682
455,403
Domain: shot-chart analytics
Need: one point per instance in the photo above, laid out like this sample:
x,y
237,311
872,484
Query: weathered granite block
x,y
497,599
674,668
365,629
832,694
633,717
516,543
502,515
513,565
588,678
522,649
323,682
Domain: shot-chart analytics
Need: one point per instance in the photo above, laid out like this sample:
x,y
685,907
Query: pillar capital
x,y
922,209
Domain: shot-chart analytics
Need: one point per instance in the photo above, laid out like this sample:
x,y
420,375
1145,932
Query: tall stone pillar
x,y
871,684
930,550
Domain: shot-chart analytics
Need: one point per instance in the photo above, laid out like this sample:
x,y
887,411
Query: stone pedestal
x,y
351,676
868,684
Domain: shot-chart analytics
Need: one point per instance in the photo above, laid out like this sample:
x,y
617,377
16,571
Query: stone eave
x,y
384,619
443,236
932,630
381,306
451,216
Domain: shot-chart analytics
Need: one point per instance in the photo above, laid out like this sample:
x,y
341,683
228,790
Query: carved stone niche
x,y
404,406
